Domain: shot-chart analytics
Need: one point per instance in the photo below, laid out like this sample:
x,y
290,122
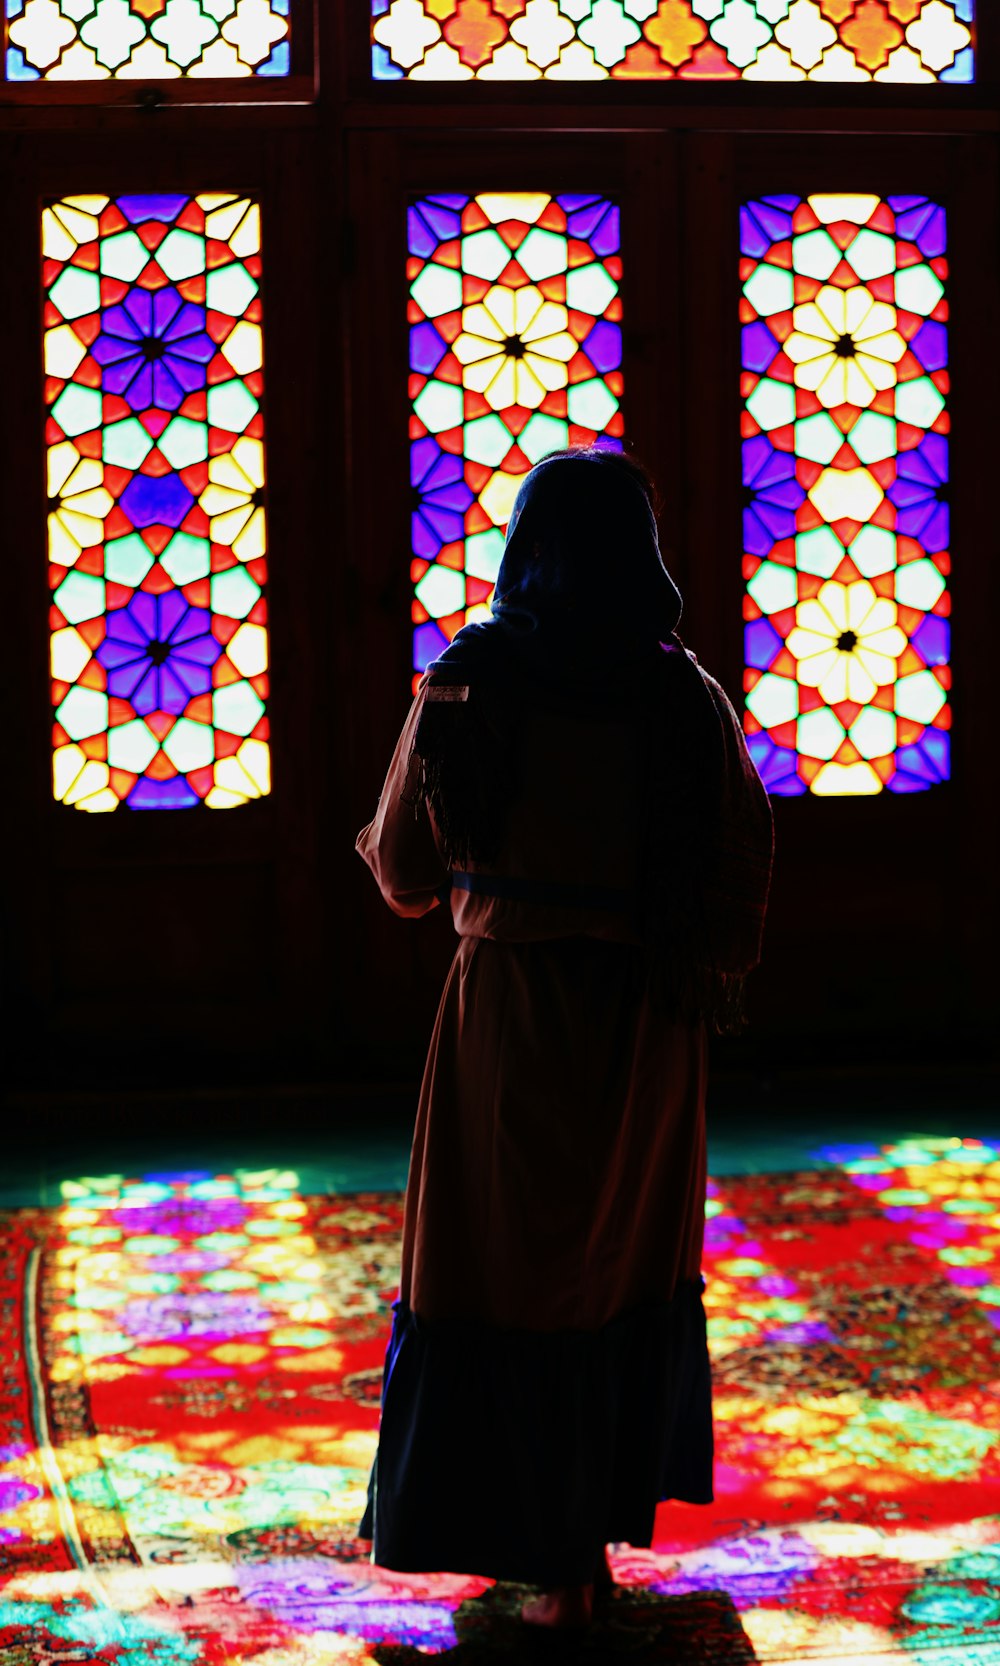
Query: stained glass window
x,y
155,477
515,351
714,40
845,471
145,40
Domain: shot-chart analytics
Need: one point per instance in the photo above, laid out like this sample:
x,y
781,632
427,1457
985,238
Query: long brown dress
x,y
548,1379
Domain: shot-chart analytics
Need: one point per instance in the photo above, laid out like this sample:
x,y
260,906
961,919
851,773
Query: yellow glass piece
x,y
577,63
543,31
86,789
67,762
937,35
854,206
248,650
904,65
64,350
846,641
774,63
513,205
243,347
844,347
406,31
497,497
805,33
442,63
846,494
255,759
68,654
839,65
514,347
510,62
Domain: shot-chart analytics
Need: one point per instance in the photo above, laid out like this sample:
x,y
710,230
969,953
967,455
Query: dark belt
x,y
549,892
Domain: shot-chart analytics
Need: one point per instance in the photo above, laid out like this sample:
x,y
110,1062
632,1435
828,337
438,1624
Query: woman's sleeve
x,y
398,844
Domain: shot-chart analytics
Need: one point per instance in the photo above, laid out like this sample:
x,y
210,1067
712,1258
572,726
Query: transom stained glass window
x,y
515,351
715,40
145,40
155,477
845,470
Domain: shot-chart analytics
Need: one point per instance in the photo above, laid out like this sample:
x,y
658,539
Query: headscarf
x,y
584,617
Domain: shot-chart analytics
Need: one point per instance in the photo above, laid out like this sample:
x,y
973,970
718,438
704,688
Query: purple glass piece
x,y
445,522
774,216
759,347
424,454
429,641
757,539
570,201
426,349
584,221
928,461
786,493
763,462
932,640
425,541
456,495
152,501
607,238
161,206
420,240
444,216
926,226
603,346
930,346
779,522
776,766
761,644
445,470
162,795
754,242
177,619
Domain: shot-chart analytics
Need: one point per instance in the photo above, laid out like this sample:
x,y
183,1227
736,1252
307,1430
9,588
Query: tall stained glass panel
x,y
845,473
155,479
145,40
709,40
515,351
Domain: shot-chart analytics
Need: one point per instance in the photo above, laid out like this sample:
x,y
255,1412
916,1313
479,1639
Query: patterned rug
x,y
189,1405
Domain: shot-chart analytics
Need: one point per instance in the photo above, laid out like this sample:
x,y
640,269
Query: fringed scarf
x,y
583,620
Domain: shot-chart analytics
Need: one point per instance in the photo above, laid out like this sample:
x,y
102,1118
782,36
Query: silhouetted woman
x,y
577,790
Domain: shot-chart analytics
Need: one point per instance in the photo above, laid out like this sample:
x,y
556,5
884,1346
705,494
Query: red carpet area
x,y
190,1402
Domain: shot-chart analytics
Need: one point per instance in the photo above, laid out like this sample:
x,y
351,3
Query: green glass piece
x,y
815,255
127,560
918,289
773,587
543,254
83,712
484,255
437,289
123,256
184,442
774,700
234,593
819,552
190,745
873,437
919,584
131,746
483,554
232,406
80,596
591,404
818,734
872,255
439,406
78,410
590,289
187,558
230,289
542,434
76,293
441,591
126,444
818,438
873,551
772,404
237,708
487,440
918,402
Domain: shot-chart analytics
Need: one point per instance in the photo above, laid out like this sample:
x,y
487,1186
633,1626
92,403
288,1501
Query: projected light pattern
x,y
515,351
191,1404
145,40
845,474
716,40
158,622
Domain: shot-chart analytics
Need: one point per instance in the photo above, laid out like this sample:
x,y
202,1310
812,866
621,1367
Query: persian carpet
x,y
189,1407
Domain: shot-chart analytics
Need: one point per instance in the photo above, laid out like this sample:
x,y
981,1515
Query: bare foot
x,y
568,1608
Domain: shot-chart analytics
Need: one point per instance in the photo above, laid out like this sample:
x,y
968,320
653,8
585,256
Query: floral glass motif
x,y
845,472
515,351
146,40
714,40
156,525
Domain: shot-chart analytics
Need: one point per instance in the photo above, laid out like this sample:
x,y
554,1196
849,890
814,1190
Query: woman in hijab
x,y
578,792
